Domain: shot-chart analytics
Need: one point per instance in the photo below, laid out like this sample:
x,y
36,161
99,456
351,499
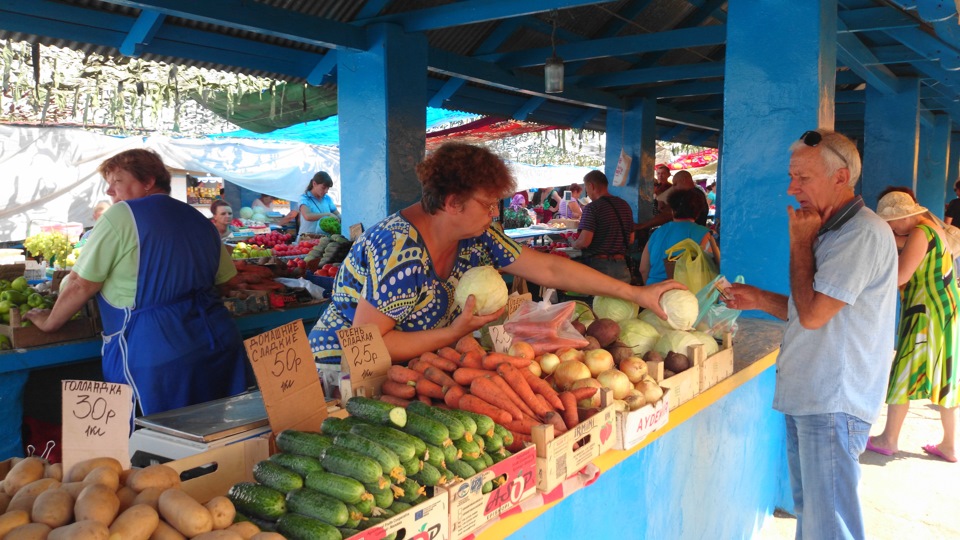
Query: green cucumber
x,y
412,466
333,426
427,429
461,469
343,488
404,445
257,501
411,490
492,443
455,427
500,455
429,475
355,516
347,532
378,487
365,506
477,464
486,459
314,504
264,524
376,411
481,442
382,497
469,424
298,527
302,465
273,475
302,443
504,434
339,460
484,423
487,487
400,507
387,458
434,456
451,453
470,449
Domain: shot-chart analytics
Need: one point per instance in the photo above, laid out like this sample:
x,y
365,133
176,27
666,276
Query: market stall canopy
x,y
484,129
696,160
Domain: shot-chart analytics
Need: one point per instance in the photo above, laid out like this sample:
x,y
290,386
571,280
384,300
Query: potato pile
x,y
98,500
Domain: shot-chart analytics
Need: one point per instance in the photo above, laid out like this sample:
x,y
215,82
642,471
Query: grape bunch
x,y
53,246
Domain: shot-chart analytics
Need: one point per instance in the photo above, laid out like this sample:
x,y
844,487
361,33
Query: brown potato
x,y
137,523
53,507
126,496
159,476
86,530
219,535
185,513
264,535
105,475
30,531
26,471
97,502
54,470
4,501
165,532
149,496
222,511
24,498
13,519
245,529
73,488
79,471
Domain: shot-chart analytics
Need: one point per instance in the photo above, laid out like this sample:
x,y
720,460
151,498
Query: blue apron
x,y
177,346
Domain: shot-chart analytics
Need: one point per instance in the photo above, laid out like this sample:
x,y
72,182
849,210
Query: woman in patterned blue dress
x,y
401,273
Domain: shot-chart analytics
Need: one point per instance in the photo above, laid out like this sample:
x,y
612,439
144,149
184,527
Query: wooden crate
x,y
31,336
717,367
11,272
561,457
685,385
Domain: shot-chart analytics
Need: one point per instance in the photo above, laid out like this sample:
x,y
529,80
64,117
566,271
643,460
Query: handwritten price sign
x,y
287,376
96,421
365,358
501,339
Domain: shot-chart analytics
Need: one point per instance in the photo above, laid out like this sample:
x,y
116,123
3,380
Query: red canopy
x,y
695,160
484,129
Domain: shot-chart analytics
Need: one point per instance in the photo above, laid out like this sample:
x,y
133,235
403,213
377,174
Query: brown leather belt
x,y
608,257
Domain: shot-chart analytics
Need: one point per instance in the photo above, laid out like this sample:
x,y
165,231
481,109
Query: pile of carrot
x,y
498,385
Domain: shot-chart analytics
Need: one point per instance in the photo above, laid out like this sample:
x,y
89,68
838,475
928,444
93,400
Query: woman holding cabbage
x,y
401,273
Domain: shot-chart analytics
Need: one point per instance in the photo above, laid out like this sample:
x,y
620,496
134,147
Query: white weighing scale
x,y
191,430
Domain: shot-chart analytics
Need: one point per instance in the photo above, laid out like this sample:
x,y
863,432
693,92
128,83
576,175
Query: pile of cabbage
x,y
645,331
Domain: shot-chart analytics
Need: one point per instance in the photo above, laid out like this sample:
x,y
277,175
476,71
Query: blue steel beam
x,y
684,90
260,19
446,92
652,75
852,52
531,105
329,61
925,44
475,11
672,133
670,114
897,54
696,18
872,19
143,30
588,115
616,46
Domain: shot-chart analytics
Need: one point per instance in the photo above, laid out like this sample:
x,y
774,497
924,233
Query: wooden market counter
x,y
716,470
16,365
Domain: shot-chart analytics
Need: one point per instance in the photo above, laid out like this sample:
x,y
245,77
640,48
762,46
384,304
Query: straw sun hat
x,y
898,205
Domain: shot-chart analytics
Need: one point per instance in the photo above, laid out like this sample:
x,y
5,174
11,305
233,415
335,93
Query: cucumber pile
x,y
365,468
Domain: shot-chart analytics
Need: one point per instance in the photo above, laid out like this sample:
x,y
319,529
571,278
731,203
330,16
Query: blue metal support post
x,y
634,131
932,185
382,95
891,127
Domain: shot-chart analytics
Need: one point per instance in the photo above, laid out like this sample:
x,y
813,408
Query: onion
x,y
651,391
598,361
616,380
521,349
635,368
535,368
548,362
588,383
635,399
568,372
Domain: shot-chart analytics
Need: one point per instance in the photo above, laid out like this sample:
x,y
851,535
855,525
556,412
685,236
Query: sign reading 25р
x,y
365,358
96,421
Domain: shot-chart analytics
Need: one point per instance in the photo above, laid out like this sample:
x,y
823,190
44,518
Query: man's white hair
x,y
837,152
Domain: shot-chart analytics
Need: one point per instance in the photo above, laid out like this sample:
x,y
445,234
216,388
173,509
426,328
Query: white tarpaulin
x,y
49,175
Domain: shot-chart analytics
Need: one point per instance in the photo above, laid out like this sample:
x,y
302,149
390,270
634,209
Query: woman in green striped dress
x,y
926,360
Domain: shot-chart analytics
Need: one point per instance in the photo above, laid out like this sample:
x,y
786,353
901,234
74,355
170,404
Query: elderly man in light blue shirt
x,y
838,344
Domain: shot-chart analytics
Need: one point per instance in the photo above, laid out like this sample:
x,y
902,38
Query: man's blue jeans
x,y
823,453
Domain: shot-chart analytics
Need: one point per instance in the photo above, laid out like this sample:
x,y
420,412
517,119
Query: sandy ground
x,y
908,495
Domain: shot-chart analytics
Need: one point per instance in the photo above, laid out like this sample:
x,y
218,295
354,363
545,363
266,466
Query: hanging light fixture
x,y
553,67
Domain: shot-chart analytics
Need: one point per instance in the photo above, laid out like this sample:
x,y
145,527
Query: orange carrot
x,y
438,376
488,391
420,366
477,405
543,388
570,416
466,375
395,389
430,389
393,400
402,375
520,385
437,360
521,426
506,390
546,404
582,393
450,354
494,359
520,441
473,359
425,399
452,396
554,419
468,343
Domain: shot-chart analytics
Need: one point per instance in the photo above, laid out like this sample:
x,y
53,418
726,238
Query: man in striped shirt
x,y
606,229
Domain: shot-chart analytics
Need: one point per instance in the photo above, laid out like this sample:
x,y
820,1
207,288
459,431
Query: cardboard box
x,y
470,509
634,426
560,457
11,272
686,384
717,367
212,473
429,520
31,336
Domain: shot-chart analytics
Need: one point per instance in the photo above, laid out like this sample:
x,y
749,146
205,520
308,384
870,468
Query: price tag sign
x,y
514,302
501,339
287,377
355,231
96,421
365,358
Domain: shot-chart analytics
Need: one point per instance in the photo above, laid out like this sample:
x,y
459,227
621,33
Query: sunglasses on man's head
x,y
814,138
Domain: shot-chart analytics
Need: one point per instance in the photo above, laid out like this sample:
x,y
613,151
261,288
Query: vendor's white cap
x,y
898,205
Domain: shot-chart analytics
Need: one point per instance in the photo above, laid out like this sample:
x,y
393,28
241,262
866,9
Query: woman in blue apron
x,y
153,263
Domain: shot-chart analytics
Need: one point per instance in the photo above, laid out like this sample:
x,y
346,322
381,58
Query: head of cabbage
x,y
638,335
681,307
651,318
710,346
677,341
486,286
616,309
